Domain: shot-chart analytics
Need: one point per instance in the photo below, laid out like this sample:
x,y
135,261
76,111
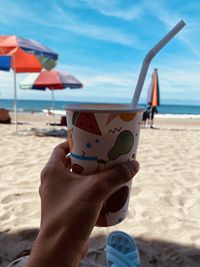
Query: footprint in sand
x,y
172,258
195,238
18,197
136,190
145,214
195,258
27,206
4,217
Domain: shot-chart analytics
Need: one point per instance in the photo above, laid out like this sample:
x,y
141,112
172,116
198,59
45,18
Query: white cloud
x,y
61,19
179,81
101,86
106,33
189,35
110,8
102,33
98,86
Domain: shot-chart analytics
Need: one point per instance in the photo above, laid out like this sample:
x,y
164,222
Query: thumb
x,y
106,180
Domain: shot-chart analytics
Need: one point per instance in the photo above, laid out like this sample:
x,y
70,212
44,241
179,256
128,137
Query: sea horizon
x,y
37,106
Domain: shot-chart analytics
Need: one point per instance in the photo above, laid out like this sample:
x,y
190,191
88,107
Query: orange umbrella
x,y
23,55
153,95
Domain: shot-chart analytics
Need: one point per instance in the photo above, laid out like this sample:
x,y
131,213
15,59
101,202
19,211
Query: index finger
x,y
59,153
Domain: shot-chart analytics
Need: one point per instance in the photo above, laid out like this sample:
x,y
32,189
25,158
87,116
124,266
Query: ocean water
x,y
39,105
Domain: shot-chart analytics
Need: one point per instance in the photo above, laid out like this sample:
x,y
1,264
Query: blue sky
x,y
103,44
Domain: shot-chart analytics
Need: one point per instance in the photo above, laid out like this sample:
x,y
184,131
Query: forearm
x,y
53,250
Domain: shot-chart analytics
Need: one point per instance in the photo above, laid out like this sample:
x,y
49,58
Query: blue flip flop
x,y
121,250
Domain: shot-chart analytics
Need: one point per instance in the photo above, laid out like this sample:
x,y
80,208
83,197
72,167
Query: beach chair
x,y
4,116
63,122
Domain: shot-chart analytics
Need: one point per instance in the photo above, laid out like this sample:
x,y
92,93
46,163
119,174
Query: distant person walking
x,y
146,117
152,112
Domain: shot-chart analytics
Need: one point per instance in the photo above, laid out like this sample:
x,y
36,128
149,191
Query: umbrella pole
x,y
52,96
15,93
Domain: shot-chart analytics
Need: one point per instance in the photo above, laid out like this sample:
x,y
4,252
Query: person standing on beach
x,y
152,113
70,206
146,117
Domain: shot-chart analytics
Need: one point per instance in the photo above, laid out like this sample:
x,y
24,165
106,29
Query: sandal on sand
x,y
18,262
121,250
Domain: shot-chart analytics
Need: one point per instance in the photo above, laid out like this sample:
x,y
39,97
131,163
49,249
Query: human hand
x,y
70,206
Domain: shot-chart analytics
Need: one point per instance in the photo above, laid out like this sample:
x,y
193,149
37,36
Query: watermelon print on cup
x,y
98,139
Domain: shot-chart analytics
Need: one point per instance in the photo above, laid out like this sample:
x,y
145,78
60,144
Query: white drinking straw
x,y
149,57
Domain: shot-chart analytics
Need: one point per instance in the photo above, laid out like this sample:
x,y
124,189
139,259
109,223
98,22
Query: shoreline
x,y
60,112
43,120
179,116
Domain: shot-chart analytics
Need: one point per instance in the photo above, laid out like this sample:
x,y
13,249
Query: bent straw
x,y
150,56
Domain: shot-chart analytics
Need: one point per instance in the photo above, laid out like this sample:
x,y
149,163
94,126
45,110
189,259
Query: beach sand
x,y
163,215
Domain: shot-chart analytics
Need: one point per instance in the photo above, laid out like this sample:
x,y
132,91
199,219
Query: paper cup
x,y
99,137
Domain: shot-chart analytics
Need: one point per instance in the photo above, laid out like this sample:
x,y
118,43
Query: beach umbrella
x,y
53,80
153,94
24,55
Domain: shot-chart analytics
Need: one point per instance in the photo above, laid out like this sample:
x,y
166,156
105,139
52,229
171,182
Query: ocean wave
x,y
178,116
60,112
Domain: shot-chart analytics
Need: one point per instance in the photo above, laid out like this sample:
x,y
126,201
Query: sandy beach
x,y
164,207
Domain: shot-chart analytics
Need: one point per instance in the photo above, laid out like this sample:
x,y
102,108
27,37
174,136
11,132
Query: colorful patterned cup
x,y
101,136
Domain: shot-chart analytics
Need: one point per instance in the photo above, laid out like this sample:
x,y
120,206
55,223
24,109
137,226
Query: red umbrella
x,y
53,80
